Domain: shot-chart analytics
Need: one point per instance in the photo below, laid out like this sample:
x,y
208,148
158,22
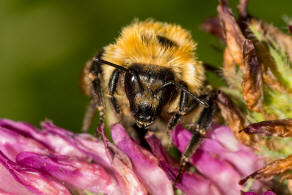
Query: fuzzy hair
x,y
138,43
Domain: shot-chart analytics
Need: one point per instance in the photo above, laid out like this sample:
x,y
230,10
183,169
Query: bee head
x,y
146,97
148,89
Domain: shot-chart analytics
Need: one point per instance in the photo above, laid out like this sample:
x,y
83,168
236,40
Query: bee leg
x,y
172,123
95,90
191,148
98,97
89,114
175,118
199,131
183,109
96,103
112,86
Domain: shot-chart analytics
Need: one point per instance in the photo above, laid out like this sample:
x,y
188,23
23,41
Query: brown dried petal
x,y
229,71
272,169
283,40
290,28
282,128
233,116
242,8
290,185
228,61
268,64
213,26
288,176
273,83
252,78
244,54
233,35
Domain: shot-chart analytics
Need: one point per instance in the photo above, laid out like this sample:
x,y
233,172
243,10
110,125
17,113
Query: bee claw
x,y
178,177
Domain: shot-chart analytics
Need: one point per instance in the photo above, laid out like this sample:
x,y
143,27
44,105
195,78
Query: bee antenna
x,y
204,103
101,61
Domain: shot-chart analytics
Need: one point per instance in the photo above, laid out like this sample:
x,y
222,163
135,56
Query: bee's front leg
x,y
112,87
184,108
175,118
172,123
199,130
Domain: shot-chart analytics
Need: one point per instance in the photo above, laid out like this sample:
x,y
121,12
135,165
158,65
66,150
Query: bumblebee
x,y
150,78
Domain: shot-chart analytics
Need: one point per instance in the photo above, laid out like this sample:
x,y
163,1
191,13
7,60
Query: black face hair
x,y
101,61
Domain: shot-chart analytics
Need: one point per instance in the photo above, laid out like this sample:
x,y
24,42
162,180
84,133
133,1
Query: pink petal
x,y
8,183
54,142
253,193
94,148
11,143
84,145
241,156
30,179
245,161
190,183
216,169
77,173
128,180
145,164
224,136
62,141
2,192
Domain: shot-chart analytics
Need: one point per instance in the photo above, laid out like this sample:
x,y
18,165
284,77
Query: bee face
x,y
143,87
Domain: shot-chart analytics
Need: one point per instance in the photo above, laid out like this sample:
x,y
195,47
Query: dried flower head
x,y
258,69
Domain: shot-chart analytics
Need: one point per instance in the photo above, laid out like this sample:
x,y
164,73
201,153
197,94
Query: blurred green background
x,y
44,44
